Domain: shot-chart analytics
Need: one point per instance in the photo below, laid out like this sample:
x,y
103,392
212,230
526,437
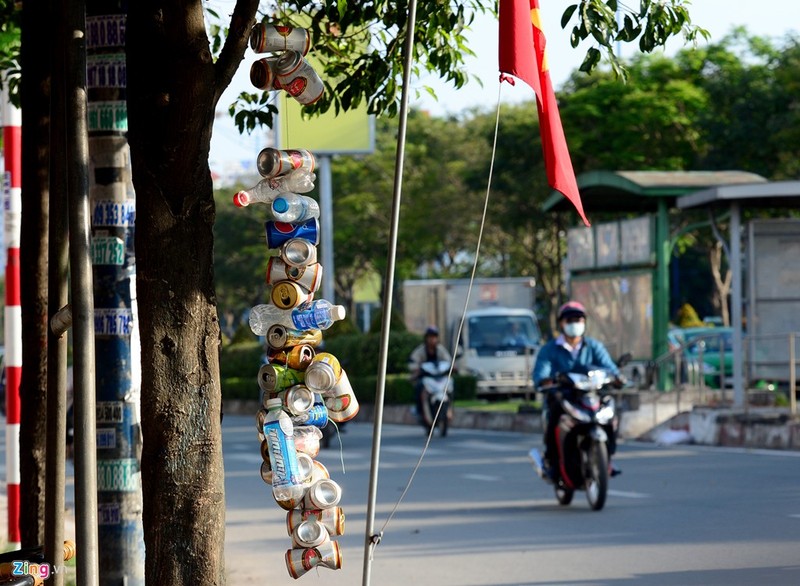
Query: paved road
x,y
476,515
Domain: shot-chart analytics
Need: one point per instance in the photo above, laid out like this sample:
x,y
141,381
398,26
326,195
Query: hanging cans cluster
x,y
301,387
287,69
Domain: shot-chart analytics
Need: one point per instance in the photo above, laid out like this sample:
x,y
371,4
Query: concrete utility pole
x,y
118,373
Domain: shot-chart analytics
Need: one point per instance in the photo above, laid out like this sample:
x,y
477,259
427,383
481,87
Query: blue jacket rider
x,y
571,351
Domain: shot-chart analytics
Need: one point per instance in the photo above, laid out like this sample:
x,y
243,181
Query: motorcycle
x,y
581,436
437,389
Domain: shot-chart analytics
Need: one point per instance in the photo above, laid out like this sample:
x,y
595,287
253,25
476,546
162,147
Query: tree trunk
x,y
723,284
173,89
33,256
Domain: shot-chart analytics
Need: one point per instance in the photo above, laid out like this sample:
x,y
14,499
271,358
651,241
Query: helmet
x,y
431,331
571,309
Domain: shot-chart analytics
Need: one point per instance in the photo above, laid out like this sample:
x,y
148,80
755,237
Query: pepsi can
x,y
280,232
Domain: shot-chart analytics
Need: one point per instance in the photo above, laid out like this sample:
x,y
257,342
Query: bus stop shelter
x,y
649,192
736,198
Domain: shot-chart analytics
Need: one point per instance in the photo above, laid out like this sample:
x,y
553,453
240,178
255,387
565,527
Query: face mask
x,y
574,329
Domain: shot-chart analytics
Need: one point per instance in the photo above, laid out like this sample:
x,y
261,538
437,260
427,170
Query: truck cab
x,y
498,346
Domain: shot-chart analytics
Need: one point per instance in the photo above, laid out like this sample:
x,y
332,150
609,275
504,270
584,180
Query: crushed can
x,y
323,373
297,399
332,518
309,277
277,377
301,560
323,494
295,357
279,337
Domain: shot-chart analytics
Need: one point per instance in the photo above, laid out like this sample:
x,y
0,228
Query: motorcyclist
x,y
429,351
571,351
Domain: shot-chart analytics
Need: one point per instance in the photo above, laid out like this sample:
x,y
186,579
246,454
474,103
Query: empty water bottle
x,y
287,479
265,191
291,207
319,314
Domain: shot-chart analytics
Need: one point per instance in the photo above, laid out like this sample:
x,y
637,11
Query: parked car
x,y
714,344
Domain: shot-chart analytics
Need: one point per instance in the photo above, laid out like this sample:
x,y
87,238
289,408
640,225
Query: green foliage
x,y
10,32
240,360
359,353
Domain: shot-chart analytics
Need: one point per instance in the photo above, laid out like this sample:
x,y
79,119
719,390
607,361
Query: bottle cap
x,y
274,403
338,312
241,199
280,205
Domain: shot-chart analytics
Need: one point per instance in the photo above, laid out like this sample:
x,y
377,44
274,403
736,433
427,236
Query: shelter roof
x,y
774,194
640,191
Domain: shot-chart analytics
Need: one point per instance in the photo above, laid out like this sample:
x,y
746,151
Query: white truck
x,y
500,336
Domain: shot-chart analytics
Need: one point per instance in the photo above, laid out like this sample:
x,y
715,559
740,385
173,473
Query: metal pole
x,y
58,267
371,539
12,194
736,303
326,225
82,298
792,375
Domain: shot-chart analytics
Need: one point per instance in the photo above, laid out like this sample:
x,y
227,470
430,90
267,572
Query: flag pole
x,y
371,539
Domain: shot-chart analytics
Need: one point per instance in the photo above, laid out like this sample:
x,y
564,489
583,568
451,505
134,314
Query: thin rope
x,y
461,322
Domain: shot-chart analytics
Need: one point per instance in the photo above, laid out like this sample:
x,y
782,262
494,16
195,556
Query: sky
x,y
773,18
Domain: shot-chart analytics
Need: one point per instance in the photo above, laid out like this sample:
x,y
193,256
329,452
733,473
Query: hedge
x,y
358,353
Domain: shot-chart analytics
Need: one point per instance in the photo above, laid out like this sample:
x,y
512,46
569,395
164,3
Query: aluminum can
x,y
298,78
280,232
309,277
263,74
342,403
301,560
298,252
272,162
332,518
289,294
279,337
317,416
310,533
318,472
276,377
297,399
297,357
323,373
273,38
323,494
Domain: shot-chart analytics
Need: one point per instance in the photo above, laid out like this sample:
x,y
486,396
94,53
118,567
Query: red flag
x,y
522,54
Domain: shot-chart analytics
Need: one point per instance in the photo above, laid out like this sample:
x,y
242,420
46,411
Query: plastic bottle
x,y
265,191
291,207
287,480
319,314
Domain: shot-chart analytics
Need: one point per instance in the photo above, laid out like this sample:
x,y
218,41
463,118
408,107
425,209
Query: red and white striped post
x,y
12,196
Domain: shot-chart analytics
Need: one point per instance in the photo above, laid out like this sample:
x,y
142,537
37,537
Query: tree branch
x,y
242,21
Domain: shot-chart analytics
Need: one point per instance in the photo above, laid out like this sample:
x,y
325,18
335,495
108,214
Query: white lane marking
x,y
410,451
485,446
481,477
795,516
628,495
